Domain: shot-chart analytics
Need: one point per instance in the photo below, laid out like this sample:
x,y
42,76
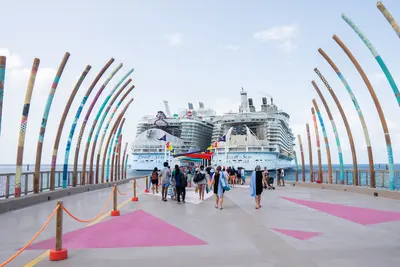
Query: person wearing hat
x,y
154,180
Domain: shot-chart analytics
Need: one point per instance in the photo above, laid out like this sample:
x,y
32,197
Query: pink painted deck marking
x,y
301,235
358,215
135,229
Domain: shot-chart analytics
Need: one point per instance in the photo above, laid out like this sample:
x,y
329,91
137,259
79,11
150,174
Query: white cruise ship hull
x,y
249,160
147,161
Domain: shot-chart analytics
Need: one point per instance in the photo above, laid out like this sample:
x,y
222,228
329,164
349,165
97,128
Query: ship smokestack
x,y
190,105
243,100
201,105
264,101
264,106
272,101
251,106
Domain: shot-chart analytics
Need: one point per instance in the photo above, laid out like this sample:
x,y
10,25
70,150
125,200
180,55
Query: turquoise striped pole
x,y
84,123
389,18
111,147
297,166
378,58
359,112
2,78
78,114
339,147
103,105
103,135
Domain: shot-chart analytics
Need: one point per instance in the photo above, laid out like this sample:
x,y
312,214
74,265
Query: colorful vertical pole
x,y
112,149
98,131
303,167
392,178
339,147
377,57
389,18
105,131
123,162
23,127
83,126
346,124
103,105
78,114
110,136
310,152
61,126
318,145
126,166
39,148
2,78
297,165
328,150
360,115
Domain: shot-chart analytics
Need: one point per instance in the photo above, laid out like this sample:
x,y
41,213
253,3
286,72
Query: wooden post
x,y
310,152
115,211
2,78
346,124
303,168
318,145
134,198
297,166
59,253
147,185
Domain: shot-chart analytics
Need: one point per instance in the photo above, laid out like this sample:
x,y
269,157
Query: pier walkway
x,y
296,226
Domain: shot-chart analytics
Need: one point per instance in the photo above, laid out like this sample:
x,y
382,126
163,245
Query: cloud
x,y
13,60
230,47
285,35
174,38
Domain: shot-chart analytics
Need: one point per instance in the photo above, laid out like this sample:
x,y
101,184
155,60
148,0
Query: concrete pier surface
x,y
296,226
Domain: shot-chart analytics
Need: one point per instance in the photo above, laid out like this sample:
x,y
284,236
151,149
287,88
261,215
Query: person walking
x,y
154,180
177,177
218,188
165,181
256,186
201,180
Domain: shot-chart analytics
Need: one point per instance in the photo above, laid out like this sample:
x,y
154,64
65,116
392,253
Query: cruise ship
x,y
250,137
190,130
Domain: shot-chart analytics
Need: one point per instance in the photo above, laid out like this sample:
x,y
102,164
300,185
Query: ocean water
x,y
381,176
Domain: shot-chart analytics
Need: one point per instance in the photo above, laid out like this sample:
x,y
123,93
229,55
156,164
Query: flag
x,y
210,147
215,144
222,139
167,145
164,138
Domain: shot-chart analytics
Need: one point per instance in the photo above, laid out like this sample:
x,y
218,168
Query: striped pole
x,y
303,167
377,57
123,162
328,150
310,152
346,124
3,60
98,131
118,157
103,105
105,131
61,126
78,114
295,161
39,148
392,179
126,165
360,115
112,150
83,126
318,145
389,18
339,147
23,127
110,136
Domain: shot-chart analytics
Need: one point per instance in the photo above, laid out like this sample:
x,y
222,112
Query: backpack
x,y
184,181
199,177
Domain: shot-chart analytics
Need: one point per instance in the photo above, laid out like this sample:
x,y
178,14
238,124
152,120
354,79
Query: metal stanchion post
x,y
134,198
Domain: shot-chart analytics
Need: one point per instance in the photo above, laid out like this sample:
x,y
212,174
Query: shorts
x,y
154,182
165,185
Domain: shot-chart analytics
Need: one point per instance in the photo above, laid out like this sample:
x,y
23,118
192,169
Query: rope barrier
x,y
127,192
33,238
95,218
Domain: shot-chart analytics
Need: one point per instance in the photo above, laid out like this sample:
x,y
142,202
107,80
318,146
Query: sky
x,y
198,51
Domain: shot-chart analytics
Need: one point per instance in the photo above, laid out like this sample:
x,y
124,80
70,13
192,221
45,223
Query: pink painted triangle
x,y
358,215
301,235
135,229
